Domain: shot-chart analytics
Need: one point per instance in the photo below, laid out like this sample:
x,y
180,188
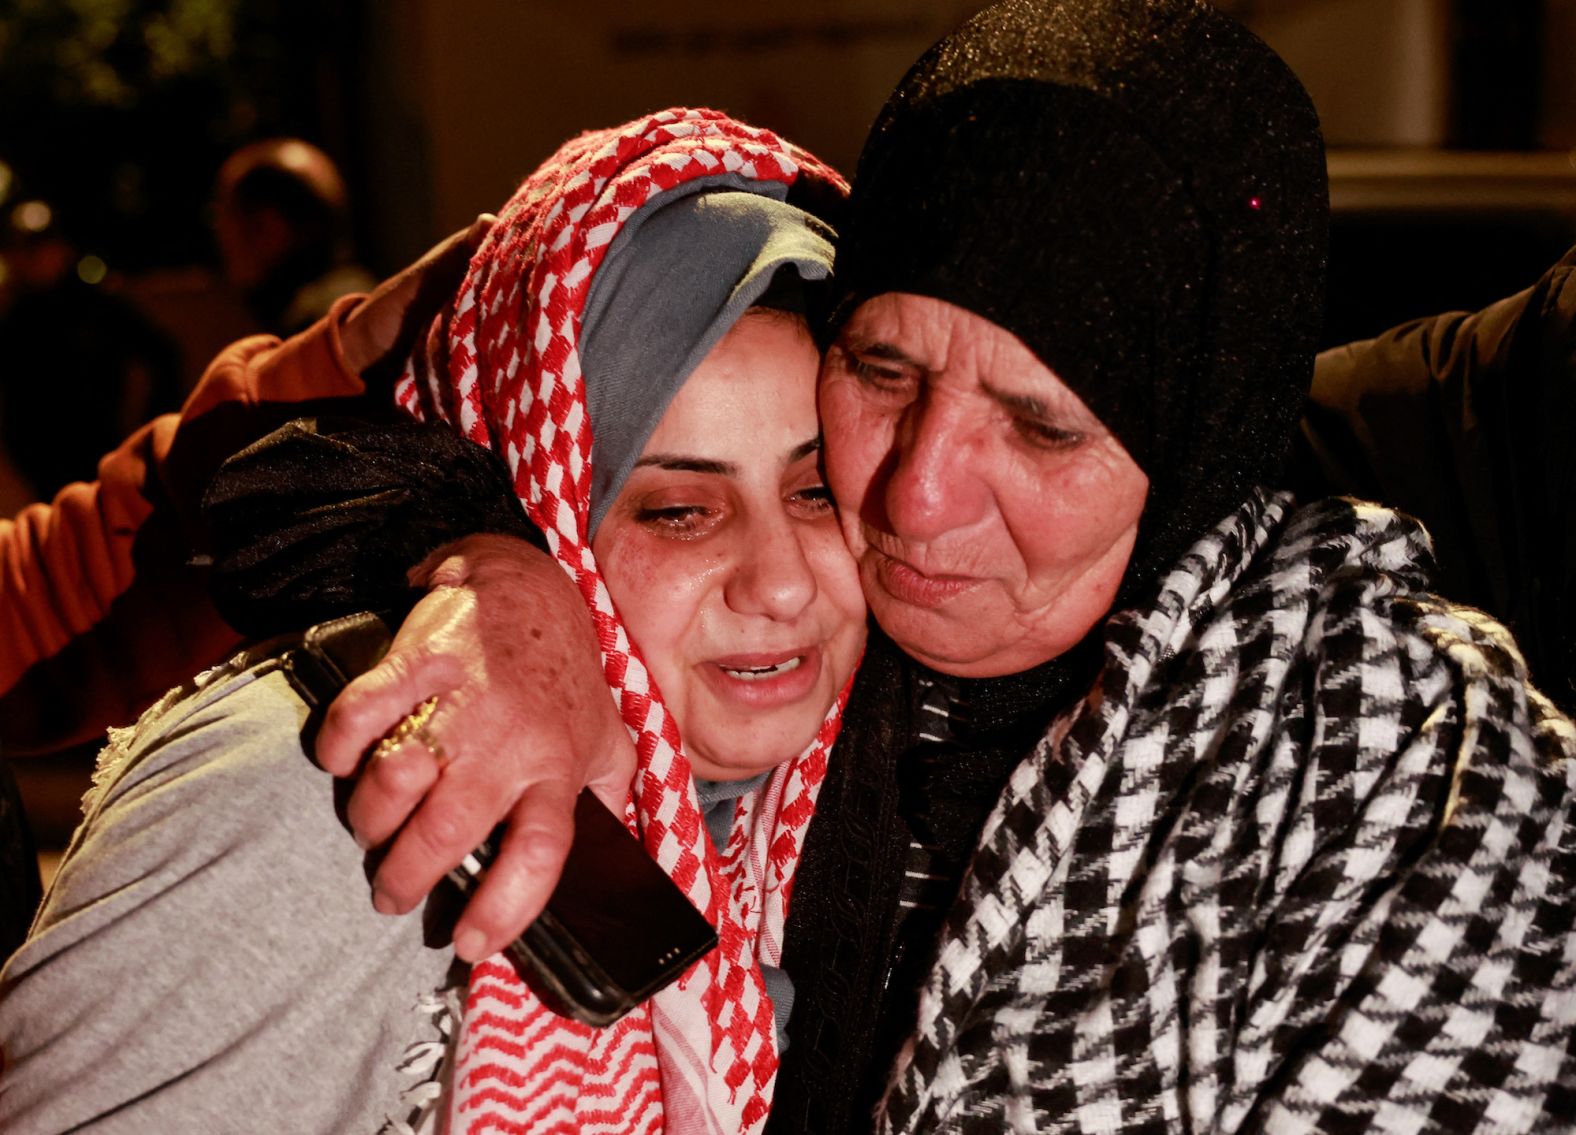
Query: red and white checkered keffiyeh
x,y
503,367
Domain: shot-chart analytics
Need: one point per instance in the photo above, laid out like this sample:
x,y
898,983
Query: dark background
x,y
118,112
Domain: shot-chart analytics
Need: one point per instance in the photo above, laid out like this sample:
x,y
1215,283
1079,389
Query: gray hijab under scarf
x,y
678,276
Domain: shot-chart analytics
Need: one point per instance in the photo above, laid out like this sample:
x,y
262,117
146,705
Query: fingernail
x,y
362,841
382,903
468,944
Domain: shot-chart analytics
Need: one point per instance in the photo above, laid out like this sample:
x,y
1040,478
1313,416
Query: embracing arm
x,y
65,568
524,719
100,609
1419,967
324,519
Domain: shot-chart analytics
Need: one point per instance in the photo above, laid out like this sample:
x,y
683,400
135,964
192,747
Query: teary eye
x,y
811,501
867,371
1043,435
682,520
874,372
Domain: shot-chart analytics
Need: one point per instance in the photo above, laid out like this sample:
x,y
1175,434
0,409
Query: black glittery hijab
x,y
1135,189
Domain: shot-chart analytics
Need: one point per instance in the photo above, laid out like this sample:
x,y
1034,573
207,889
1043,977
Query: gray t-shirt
x,y
182,975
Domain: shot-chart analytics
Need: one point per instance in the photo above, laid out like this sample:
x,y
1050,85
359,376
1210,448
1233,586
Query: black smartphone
x,y
615,930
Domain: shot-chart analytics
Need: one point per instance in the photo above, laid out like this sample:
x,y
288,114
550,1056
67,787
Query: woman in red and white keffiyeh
x,y
633,245
631,342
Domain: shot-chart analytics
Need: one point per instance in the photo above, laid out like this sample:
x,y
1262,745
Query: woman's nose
x,y
772,576
933,485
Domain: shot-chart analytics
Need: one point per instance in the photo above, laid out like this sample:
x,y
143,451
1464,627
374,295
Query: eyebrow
x,y
1026,404
680,463
880,349
804,449
1018,403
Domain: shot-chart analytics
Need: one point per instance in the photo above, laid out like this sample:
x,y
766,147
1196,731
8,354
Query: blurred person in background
x,y
280,216
80,367
101,607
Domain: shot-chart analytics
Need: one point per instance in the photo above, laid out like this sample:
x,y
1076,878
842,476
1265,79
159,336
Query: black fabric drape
x,y
326,518
855,959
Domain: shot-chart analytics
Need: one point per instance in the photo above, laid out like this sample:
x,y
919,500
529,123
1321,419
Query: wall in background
x,y
477,94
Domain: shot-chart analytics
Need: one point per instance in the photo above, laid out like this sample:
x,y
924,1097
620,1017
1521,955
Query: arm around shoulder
x,y
100,608
1419,969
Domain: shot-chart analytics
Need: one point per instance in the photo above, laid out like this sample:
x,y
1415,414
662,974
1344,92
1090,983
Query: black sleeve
x,y
324,518
1466,422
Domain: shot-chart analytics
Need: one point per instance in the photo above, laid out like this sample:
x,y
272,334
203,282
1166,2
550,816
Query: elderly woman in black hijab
x,y
1161,803
1292,849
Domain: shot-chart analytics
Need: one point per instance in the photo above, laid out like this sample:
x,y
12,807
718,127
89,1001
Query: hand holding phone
x,y
615,930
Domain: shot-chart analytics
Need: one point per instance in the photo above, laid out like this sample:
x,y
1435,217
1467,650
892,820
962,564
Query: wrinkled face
x,y
723,554
991,513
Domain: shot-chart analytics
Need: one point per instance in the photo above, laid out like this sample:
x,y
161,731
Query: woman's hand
x,y
524,721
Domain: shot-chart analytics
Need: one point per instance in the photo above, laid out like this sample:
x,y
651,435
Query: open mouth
x,y
766,679
762,673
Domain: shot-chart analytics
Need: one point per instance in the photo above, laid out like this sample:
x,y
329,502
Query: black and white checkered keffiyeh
x,y
1302,861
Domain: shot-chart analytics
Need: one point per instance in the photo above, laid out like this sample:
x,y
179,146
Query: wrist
x,y
351,340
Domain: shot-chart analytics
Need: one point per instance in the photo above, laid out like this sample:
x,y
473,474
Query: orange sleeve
x,y
101,609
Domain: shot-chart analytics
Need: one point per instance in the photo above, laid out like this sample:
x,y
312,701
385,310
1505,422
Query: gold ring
x,y
413,724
